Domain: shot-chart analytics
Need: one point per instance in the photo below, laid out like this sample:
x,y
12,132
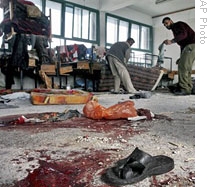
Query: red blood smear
x,y
75,173
112,128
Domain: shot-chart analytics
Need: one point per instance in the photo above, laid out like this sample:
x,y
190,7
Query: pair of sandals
x,y
136,167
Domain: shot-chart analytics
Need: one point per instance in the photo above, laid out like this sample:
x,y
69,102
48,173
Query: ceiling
x,y
149,7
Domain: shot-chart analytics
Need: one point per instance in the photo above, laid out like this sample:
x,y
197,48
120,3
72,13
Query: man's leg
x,y
185,68
124,76
114,71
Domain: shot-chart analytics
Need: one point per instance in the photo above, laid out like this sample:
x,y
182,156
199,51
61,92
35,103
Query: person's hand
x,y
168,42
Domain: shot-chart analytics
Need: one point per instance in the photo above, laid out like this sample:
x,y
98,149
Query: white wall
x,y
133,15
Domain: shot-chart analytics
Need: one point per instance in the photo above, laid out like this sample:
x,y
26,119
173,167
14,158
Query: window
x,y
85,21
111,30
68,22
71,22
145,37
1,18
55,16
93,26
119,29
77,22
123,30
135,34
81,24
85,24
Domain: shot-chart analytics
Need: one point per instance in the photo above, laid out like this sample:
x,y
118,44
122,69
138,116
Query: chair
x,y
49,70
64,71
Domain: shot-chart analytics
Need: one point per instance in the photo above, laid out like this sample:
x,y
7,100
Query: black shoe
x,y
120,92
181,93
174,88
136,167
139,95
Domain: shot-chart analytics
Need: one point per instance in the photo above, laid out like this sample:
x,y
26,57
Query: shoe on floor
x,y
115,92
136,167
174,88
141,94
181,93
121,91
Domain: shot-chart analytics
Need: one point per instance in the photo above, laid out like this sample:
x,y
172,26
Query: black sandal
x,y
136,167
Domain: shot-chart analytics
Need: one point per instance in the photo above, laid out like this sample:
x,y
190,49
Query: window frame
x,y
65,4
129,32
61,16
73,38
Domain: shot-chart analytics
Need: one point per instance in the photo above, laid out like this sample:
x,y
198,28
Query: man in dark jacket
x,y
184,36
117,57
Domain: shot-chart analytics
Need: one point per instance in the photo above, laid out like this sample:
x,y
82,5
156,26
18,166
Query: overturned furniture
x,y
145,78
142,78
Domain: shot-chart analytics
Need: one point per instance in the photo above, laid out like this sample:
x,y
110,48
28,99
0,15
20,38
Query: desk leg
x,y
93,81
21,79
36,77
85,79
74,80
35,82
60,81
52,82
66,80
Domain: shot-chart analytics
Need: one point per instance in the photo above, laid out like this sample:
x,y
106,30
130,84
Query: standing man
x,y
184,36
117,57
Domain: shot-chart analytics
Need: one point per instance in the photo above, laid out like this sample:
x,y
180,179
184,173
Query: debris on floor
x,y
121,110
141,94
5,106
142,114
67,114
16,95
59,146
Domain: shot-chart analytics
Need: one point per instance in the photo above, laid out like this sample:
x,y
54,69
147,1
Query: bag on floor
x,y
122,110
